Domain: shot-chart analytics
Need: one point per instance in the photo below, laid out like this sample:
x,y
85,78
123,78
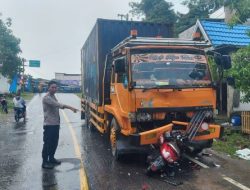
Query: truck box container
x,y
105,35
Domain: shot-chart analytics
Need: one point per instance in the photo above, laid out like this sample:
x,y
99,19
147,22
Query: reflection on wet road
x,y
20,159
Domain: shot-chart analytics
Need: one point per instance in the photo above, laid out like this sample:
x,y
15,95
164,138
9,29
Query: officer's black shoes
x,y
47,165
54,161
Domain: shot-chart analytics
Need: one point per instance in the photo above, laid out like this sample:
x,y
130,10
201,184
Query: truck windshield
x,y
169,70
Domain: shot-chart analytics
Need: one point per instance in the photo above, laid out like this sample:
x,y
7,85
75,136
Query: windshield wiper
x,y
161,86
175,87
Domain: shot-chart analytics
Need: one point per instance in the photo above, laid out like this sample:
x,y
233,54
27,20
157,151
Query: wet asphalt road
x,y
20,159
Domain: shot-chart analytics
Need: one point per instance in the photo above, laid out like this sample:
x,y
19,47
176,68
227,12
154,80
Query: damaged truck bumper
x,y
152,136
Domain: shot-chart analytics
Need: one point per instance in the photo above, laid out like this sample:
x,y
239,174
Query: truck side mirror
x,y
214,85
231,81
217,59
120,66
226,60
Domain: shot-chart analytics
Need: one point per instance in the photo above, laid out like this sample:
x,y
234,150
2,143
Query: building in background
x,y
225,40
223,14
68,82
4,85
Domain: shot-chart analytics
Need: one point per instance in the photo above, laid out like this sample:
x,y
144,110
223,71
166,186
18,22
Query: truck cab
x,y
157,85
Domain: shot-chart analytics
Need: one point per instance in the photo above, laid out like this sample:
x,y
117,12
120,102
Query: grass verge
x,y
26,96
232,141
79,95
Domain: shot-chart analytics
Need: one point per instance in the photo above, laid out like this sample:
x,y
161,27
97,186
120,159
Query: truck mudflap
x,y
152,136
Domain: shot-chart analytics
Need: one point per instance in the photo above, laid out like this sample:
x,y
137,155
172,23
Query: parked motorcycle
x,y
19,113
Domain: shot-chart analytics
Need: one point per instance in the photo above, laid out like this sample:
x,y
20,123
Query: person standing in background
x,y
51,126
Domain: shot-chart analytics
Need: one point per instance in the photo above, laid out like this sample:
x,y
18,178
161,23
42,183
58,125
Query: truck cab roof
x,y
160,42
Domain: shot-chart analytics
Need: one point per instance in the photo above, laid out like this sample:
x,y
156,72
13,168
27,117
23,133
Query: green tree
x,y
9,50
198,9
241,8
241,59
158,11
241,71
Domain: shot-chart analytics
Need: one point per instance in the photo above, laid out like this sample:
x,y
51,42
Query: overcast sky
x,y
53,31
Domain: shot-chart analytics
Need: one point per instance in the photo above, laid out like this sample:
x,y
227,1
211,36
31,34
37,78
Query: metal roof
x,y
220,33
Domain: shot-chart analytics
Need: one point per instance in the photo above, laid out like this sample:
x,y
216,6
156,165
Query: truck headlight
x,y
204,126
140,117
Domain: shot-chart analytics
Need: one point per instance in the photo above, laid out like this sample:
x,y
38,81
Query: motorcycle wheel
x,y
114,130
196,151
16,118
149,172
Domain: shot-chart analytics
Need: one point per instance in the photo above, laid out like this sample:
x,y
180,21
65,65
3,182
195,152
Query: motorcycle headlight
x,y
165,154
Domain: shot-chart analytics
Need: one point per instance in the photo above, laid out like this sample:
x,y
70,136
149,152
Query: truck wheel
x,y
87,120
114,133
82,115
149,172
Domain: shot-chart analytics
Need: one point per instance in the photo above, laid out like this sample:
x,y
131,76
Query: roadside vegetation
x,y
27,96
10,60
232,139
79,95
231,142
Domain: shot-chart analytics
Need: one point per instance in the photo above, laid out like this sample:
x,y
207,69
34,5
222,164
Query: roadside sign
x,y
34,63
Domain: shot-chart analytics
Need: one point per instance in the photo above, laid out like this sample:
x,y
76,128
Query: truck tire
x,y
88,124
82,115
114,137
87,117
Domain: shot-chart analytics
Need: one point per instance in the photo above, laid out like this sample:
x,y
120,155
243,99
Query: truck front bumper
x,y
152,136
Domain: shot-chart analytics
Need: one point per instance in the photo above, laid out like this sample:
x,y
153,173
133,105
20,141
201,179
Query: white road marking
x,y
31,101
83,176
196,161
237,184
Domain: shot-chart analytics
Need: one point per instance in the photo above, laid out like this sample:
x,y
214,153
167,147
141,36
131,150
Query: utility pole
x,y
22,74
23,61
126,16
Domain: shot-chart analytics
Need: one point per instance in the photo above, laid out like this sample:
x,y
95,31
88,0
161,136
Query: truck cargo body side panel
x,y
90,66
105,36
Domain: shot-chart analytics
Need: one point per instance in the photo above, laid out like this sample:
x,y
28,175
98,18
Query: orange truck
x,y
136,88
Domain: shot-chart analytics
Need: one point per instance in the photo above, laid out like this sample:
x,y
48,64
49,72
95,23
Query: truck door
x,y
119,86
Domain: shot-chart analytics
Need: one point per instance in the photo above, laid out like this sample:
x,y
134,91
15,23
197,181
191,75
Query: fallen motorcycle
x,y
169,156
174,144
